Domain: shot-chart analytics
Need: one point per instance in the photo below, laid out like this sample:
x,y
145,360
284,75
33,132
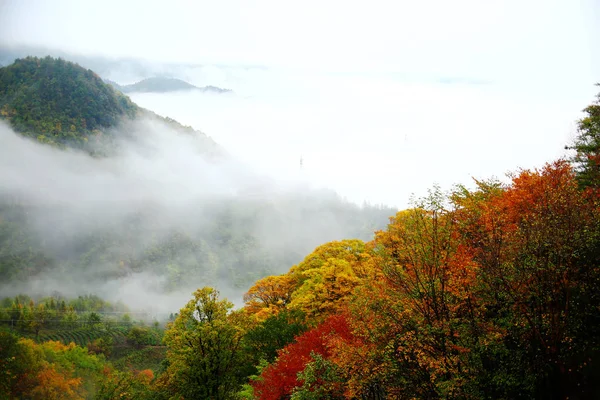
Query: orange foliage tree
x,y
531,240
427,312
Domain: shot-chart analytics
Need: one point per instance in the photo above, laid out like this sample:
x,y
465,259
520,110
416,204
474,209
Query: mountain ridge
x,y
164,85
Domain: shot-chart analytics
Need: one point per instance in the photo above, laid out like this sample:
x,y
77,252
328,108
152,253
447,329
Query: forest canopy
x,y
58,101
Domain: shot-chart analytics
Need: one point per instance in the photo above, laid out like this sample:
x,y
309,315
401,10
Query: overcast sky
x,y
417,91
466,38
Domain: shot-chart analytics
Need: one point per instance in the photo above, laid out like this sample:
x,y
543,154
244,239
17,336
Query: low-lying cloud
x,y
159,218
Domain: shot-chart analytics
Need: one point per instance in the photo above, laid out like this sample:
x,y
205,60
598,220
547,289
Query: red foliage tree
x,y
279,379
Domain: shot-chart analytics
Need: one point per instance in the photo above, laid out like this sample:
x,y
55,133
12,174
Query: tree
x,y
93,320
55,385
41,317
413,330
49,370
536,241
265,339
205,355
125,385
325,290
269,295
321,379
587,147
279,379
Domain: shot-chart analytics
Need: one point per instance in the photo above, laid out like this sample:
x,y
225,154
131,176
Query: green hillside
x,y
59,102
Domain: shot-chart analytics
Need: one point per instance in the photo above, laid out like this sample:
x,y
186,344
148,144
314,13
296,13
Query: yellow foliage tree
x,y
269,295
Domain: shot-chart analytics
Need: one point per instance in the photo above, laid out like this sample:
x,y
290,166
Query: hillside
x,y
163,85
58,101
61,103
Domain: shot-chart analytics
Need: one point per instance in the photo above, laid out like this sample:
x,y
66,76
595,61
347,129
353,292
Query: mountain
x,y
159,85
163,85
58,101
215,89
61,103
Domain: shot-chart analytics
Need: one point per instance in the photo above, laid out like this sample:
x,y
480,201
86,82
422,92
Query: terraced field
x,y
82,337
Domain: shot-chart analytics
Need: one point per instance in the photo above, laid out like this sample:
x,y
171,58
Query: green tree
x,y
41,317
93,320
321,379
264,340
205,356
587,147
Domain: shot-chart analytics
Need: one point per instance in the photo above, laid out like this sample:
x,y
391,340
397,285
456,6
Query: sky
x,y
381,99
466,38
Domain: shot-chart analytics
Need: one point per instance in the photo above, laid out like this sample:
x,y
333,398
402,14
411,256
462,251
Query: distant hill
x,y
162,85
58,101
158,84
215,89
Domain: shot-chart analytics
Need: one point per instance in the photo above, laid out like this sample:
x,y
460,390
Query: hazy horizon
x,y
369,97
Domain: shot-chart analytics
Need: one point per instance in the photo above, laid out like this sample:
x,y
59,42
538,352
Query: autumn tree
x,y
205,355
269,295
431,279
534,241
55,385
278,380
319,286
48,370
415,326
328,276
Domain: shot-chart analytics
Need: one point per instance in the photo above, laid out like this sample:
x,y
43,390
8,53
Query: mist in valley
x,y
158,219
378,139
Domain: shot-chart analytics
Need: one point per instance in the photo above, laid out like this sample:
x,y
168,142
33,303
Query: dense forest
x,y
484,292
59,101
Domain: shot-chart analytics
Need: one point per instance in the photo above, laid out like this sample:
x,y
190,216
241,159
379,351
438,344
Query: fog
x,y
376,138
160,218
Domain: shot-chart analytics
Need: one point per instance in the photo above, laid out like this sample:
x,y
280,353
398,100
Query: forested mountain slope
x,y
58,101
61,103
